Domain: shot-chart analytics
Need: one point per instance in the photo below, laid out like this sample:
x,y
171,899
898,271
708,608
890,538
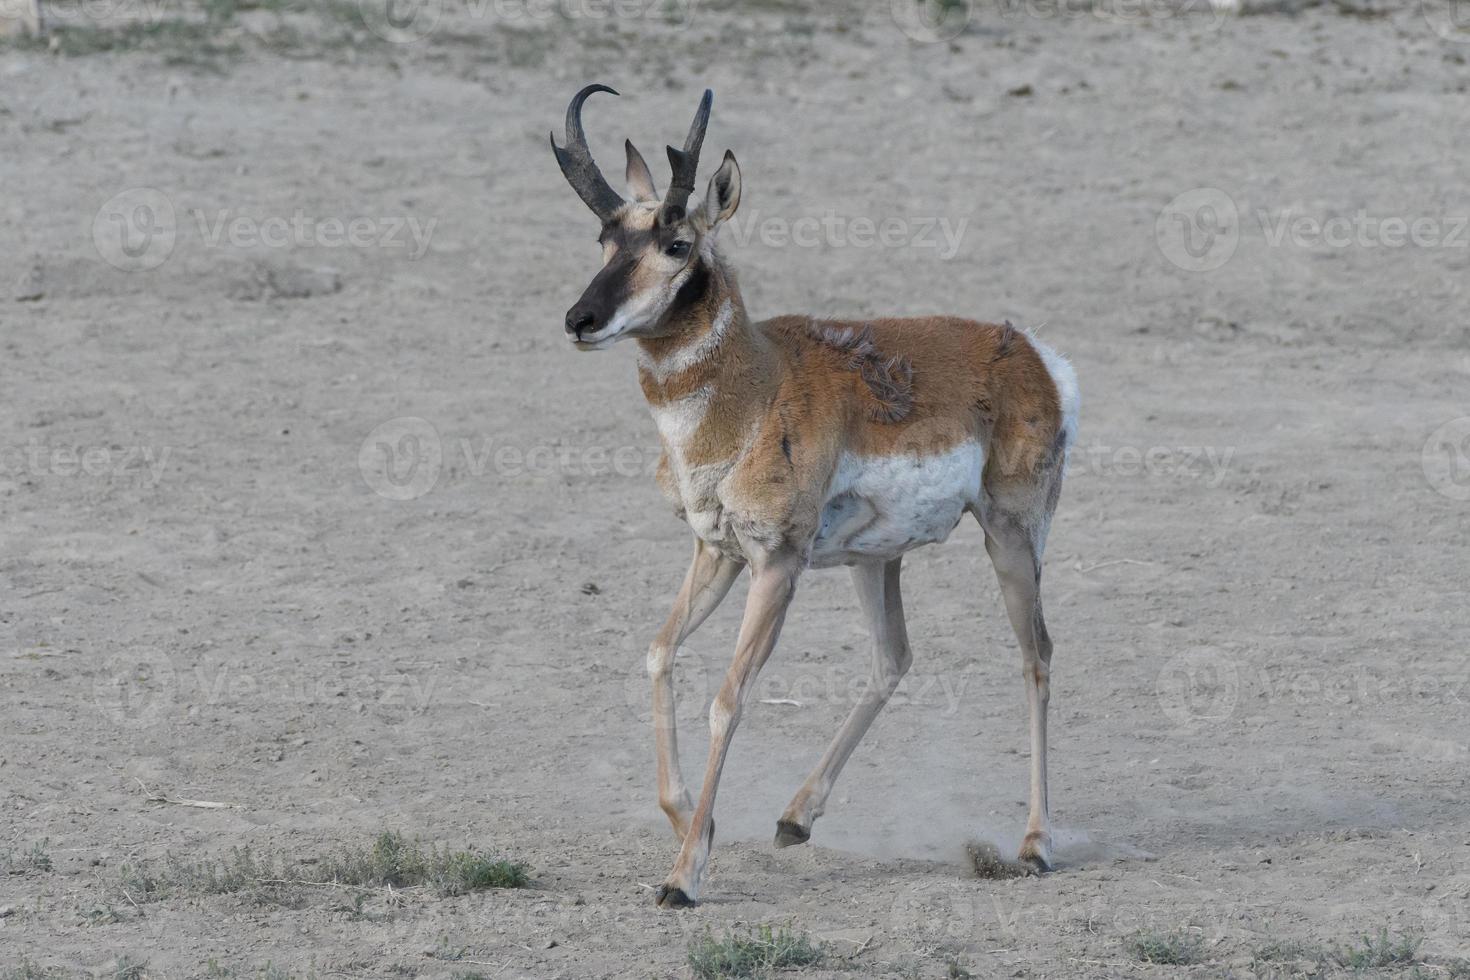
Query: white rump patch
x,y
1065,378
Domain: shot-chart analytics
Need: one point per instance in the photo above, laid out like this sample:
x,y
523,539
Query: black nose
x,y
579,321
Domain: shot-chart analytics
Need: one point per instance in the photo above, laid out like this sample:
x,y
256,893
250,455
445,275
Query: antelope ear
x,y
723,196
640,178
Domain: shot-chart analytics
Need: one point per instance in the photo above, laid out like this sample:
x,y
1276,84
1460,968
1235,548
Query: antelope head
x,y
656,252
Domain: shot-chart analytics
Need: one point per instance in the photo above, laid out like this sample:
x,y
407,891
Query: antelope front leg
x,y
709,578
772,586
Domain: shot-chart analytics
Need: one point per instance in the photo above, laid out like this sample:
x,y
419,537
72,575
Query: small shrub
x,y
267,972
472,872
127,968
33,858
1288,949
391,860
101,915
760,951
1176,948
1380,951
395,860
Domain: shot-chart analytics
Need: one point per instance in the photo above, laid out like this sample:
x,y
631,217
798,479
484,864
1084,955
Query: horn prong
x,y
685,163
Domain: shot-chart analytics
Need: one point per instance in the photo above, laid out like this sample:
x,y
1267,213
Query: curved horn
x,y
576,161
685,162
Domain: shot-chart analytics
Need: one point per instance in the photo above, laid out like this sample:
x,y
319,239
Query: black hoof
x,y
1036,864
1035,854
788,833
668,897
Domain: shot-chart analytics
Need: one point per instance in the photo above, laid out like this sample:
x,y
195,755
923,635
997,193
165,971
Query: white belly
x,y
878,507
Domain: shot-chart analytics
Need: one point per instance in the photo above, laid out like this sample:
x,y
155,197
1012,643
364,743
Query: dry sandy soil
x,y
333,527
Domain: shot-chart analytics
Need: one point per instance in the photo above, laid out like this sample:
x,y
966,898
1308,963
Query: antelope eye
x,y
677,250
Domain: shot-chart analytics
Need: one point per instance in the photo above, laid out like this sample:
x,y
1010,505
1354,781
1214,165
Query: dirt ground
x,y
307,507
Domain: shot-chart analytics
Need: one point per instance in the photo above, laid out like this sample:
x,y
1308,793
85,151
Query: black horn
x,y
685,163
576,161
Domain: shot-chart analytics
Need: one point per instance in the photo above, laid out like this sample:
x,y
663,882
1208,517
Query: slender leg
x,y
772,585
1016,553
709,578
878,591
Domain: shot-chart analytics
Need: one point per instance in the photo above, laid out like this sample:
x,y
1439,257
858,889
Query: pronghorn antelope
x,y
797,443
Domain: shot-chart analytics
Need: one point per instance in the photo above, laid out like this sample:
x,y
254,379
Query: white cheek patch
x,y
643,309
